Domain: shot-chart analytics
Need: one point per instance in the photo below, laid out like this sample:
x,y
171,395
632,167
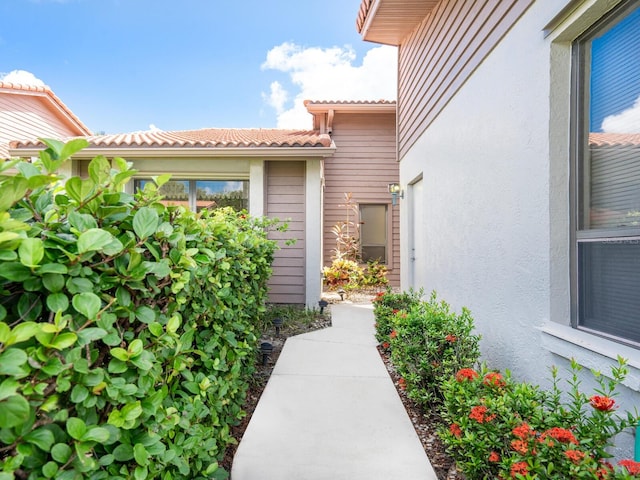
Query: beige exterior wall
x,y
364,164
285,199
440,55
24,116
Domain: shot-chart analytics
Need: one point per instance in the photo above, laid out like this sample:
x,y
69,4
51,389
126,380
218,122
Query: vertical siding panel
x,y
285,182
364,164
441,53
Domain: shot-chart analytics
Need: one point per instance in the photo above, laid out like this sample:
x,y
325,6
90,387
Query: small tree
x,y
347,232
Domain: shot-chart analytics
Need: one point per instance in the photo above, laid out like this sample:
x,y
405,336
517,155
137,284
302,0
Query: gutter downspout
x,y
636,453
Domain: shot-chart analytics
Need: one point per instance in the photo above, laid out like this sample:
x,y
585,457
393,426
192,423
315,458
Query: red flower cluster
x,y
575,456
393,334
479,414
402,383
494,379
451,338
494,457
560,434
522,431
455,430
602,403
466,374
378,297
395,311
632,467
519,468
385,345
520,446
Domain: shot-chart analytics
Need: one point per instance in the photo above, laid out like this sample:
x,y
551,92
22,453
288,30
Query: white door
x,y
417,254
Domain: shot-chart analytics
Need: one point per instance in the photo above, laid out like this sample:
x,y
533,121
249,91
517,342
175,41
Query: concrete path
x,y
331,412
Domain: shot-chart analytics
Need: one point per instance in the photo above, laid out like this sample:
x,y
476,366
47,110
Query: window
x,y
199,194
373,233
606,177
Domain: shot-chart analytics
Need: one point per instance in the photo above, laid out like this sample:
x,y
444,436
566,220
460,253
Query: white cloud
x,y
153,128
21,77
277,97
328,74
627,121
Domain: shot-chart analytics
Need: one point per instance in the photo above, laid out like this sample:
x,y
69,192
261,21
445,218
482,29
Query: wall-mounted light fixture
x,y
396,192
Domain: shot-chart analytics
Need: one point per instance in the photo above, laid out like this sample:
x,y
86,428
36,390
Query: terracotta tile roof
x,y
614,139
349,102
203,138
46,91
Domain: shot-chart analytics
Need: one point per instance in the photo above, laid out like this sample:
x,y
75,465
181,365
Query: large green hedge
x,y
126,327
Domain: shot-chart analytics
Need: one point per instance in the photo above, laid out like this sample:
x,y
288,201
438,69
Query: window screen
x,y
373,233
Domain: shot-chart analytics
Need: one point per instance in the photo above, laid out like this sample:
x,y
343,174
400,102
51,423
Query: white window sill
x,y
591,351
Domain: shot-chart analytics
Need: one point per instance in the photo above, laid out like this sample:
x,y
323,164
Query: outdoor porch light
x,y
277,322
341,292
322,304
265,348
396,192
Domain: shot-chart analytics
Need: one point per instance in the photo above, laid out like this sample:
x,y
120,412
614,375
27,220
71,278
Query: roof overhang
x,y
284,153
390,21
350,107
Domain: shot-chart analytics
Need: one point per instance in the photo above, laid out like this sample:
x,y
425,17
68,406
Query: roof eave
x,y
182,152
321,107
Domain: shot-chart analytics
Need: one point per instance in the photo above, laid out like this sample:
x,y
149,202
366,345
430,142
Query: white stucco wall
x,y
495,169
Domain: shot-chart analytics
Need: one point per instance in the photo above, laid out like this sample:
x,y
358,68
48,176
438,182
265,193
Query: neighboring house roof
x,y
614,140
27,110
206,141
389,21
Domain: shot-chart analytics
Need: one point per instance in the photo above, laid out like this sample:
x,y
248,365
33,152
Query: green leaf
x,y
14,271
11,362
82,221
96,434
54,282
14,411
145,222
99,169
64,340
144,361
76,428
120,353
72,147
22,332
87,303
94,239
123,453
61,452
145,314
79,393
8,387
89,335
140,473
41,438
156,329
140,454
31,252
74,188
135,348
50,469
5,331
52,268
57,302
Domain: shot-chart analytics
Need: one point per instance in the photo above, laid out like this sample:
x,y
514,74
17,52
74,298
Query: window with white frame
x,y
373,232
606,177
200,194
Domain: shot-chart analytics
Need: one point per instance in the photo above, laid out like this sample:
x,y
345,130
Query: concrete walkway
x,y
331,412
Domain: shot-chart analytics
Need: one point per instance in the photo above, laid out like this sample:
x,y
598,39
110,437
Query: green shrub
x,y
500,428
429,343
387,304
126,327
342,273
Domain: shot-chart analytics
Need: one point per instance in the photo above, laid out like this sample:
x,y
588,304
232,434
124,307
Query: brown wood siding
x,y
25,117
440,55
285,191
364,164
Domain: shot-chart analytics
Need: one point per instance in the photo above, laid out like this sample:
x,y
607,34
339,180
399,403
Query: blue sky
x,y
128,65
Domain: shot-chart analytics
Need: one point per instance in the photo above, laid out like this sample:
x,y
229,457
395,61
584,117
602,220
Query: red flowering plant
x,y
507,429
430,343
387,305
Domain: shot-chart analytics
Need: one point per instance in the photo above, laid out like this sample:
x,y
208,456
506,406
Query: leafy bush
x,y
429,343
343,273
500,428
387,304
374,275
126,327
